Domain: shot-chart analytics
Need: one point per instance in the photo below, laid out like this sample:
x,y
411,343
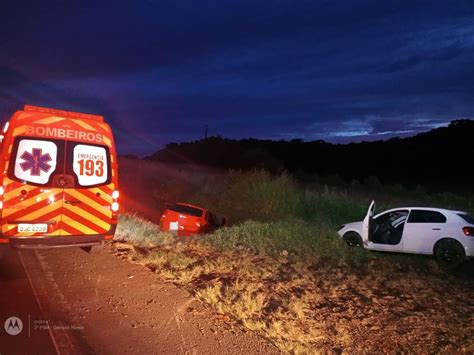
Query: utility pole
x,y
205,132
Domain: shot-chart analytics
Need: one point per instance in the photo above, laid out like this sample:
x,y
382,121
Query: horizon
x,y
375,139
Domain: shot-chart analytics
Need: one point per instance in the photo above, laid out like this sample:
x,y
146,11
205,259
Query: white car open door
x,y
368,222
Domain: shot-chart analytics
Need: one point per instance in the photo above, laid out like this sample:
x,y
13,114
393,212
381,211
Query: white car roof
x,y
442,210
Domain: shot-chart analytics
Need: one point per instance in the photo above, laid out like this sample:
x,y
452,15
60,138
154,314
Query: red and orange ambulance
x,y
58,180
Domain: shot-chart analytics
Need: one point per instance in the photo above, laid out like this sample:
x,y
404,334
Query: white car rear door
x,y
422,230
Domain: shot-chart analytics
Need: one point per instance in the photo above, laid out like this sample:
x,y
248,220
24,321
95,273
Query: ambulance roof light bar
x,y
70,114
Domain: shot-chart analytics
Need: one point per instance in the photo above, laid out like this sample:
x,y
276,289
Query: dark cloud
x,y
430,58
17,89
161,70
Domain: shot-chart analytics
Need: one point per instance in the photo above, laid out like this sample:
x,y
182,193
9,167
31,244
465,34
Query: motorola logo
x,y
13,325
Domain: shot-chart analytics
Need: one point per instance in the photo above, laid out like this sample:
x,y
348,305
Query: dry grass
x,y
305,307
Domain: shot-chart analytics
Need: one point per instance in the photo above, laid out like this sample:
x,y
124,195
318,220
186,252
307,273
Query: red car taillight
x,y
468,231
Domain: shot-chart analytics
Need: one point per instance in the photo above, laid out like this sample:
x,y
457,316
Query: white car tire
x,y
353,239
449,252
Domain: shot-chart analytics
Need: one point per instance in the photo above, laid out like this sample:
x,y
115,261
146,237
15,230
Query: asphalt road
x,y
70,302
40,325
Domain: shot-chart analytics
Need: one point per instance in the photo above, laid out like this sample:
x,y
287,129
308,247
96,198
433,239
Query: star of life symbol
x,y
13,325
36,162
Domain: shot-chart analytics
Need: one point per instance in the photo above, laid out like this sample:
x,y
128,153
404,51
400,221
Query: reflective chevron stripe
x,y
48,120
85,214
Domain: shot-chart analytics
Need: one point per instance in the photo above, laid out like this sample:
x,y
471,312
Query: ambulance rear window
x,y
35,160
90,164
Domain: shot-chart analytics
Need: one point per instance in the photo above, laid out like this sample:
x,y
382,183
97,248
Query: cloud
x,y
17,89
161,70
403,125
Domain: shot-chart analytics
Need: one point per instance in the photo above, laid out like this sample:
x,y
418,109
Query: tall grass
x,y
260,196
271,214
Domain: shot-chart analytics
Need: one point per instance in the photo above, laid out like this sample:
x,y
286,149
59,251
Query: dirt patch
x,y
307,308
125,308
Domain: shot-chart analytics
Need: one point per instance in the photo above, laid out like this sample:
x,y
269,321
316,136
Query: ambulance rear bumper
x,y
56,242
49,242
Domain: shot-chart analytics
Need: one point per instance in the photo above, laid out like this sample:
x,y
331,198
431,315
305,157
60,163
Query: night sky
x,y
161,70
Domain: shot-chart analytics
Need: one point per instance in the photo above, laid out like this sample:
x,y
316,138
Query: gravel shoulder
x,y
103,304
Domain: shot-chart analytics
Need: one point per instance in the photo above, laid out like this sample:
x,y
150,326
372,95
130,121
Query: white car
x,y
447,234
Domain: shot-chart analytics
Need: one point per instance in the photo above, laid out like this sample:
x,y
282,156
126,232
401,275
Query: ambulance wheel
x,y
4,250
94,249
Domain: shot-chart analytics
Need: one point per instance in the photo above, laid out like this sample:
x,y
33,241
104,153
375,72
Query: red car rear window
x,y
196,212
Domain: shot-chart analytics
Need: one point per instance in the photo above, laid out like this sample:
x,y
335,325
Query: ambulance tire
x,y
95,249
4,249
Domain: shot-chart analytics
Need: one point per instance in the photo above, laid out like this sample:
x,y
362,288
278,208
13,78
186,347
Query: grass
x,y
260,196
280,269
294,239
141,232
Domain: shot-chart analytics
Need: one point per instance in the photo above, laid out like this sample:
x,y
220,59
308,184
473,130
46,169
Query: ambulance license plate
x,y
32,228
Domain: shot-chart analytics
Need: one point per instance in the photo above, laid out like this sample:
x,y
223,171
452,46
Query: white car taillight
x,y
468,231
115,206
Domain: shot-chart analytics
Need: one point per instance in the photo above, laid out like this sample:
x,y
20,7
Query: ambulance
x,y
58,180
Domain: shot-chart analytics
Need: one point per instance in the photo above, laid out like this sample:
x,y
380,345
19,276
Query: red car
x,y
187,220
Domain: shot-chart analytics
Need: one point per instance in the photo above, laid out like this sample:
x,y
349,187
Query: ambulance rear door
x,y
33,188
87,206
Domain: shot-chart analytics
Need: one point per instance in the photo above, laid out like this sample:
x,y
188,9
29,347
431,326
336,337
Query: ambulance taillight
x,y
5,129
2,191
115,205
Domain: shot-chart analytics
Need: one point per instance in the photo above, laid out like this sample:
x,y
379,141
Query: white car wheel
x,y
449,252
353,239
